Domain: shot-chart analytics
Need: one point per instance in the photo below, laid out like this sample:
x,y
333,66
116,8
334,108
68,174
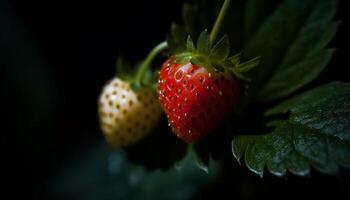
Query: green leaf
x,y
199,157
256,12
305,59
203,43
210,149
221,49
292,78
273,37
291,43
331,102
317,133
240,146
202,161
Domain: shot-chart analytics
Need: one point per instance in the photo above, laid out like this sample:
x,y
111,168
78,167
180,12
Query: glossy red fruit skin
x,y
195,101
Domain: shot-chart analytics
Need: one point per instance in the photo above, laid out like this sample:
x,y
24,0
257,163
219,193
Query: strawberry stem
x,y
148,60
219,20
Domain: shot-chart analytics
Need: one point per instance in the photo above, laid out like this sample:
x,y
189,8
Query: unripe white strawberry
x,y
127,116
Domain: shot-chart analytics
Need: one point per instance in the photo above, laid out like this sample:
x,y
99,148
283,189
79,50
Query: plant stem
x,y
148,60
219,20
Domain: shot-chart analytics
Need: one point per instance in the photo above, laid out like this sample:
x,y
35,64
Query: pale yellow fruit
x,y
127,116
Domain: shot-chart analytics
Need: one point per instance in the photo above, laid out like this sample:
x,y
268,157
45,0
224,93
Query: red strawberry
x,y
195,100
197,88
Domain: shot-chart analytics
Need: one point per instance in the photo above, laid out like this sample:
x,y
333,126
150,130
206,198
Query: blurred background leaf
x,y
290,36
292,45
103,173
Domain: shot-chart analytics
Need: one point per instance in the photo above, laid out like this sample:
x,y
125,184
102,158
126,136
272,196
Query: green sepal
x,y
214,57
196,61
248,65
235,59
203,43
189,44
149,81
126,72
221,49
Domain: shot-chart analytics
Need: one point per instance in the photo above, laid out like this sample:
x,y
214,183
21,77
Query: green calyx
x,y
215,58
141,75
129,73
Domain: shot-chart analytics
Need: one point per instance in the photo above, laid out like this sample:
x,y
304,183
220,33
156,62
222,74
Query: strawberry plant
x,y
246,96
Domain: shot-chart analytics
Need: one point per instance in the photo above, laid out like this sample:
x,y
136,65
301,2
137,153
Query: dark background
x,y
55,57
